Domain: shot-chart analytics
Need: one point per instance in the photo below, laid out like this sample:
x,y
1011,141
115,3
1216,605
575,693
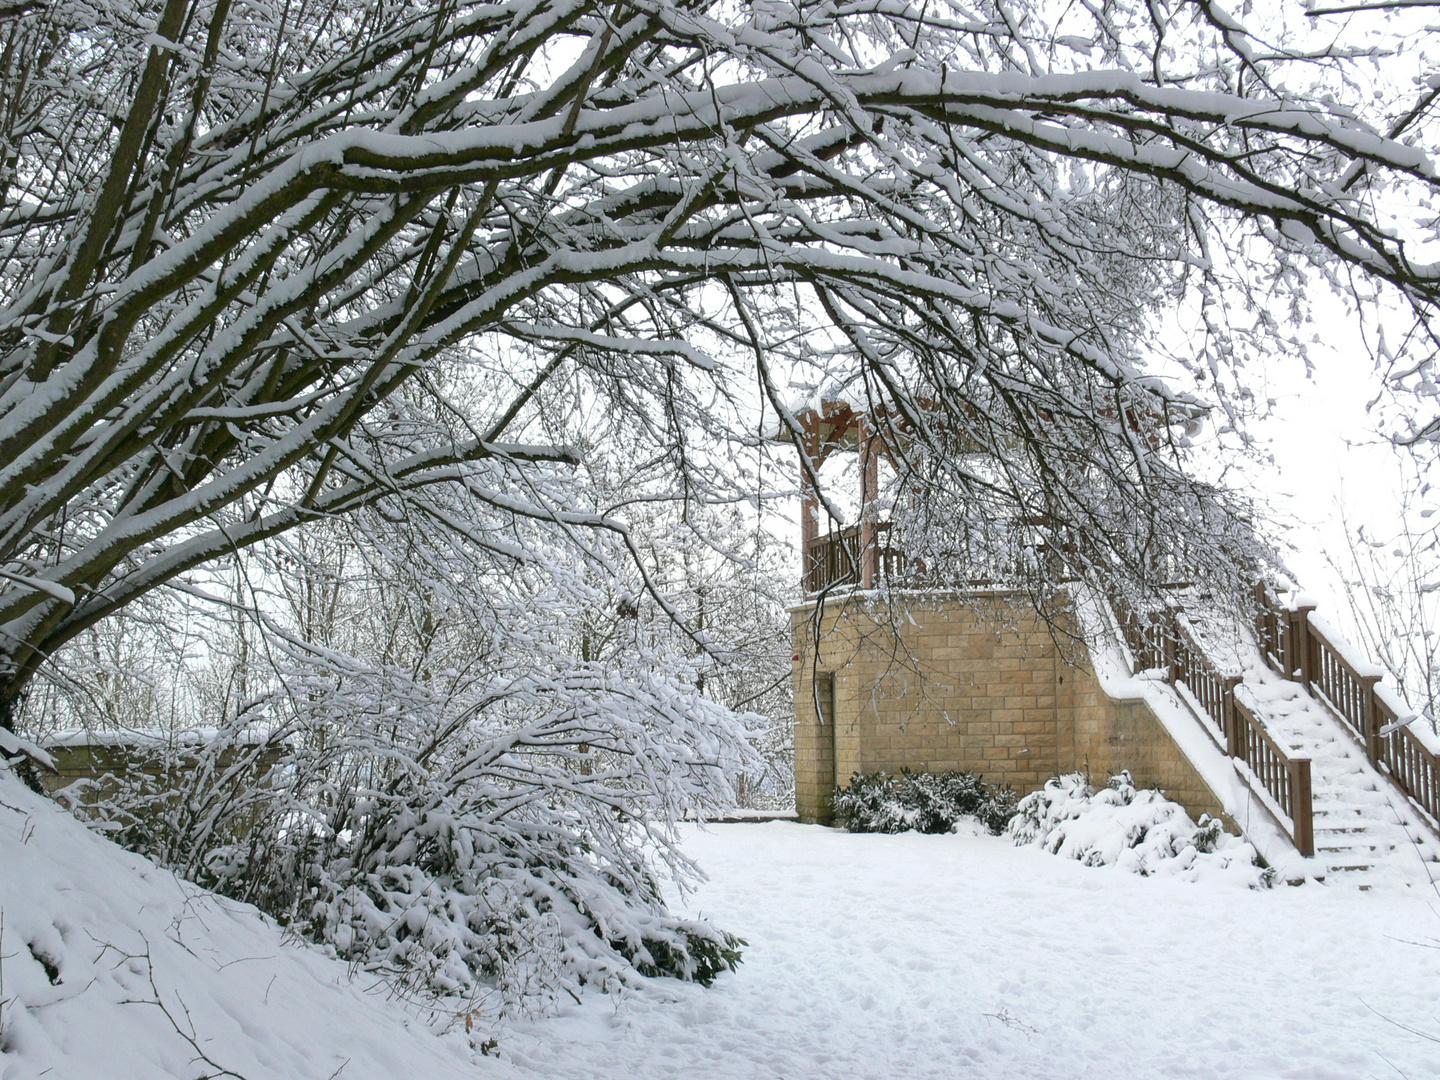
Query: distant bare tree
x,y
1392,576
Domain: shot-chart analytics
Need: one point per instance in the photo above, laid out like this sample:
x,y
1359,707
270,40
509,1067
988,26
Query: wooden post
x,y
813,453
809,533
1234,736
1371,720
1297,656
1302,809
1262,605
1267,628
1170,645
869,483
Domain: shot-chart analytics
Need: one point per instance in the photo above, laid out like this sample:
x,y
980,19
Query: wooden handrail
x,y
1212,688
1167,635
1351,694
1286,778
1145,636
1413,766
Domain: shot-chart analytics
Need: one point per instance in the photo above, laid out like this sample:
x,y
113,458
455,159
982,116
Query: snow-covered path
x,y
917,956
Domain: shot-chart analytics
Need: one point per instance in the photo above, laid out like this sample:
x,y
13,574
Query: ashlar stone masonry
x,y
963,680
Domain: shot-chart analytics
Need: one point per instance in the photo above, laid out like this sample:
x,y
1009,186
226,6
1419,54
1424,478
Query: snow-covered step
x,y
1360,831
1364,829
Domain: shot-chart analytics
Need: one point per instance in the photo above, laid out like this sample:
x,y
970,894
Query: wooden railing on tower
x,y
838,559
843,558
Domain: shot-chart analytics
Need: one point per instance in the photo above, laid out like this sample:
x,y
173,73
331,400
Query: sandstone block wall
x,y
1109,735
963,681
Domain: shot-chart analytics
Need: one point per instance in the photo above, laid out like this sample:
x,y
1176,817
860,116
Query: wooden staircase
x,y
1362,825
1302,717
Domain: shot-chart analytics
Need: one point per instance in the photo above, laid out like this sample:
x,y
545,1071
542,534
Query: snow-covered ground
x,y
870,956
151,978
961,956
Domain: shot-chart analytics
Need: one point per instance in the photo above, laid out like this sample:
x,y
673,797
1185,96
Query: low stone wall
x,y
157,776
964,681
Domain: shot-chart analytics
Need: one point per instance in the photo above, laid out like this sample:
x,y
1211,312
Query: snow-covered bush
x,y
505,851
463,776
926,802
490,837
1137,829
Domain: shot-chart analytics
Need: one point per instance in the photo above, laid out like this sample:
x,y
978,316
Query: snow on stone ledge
x,y
195,736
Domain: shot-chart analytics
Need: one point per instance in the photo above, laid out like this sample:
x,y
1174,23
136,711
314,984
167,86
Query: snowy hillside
x,y
111,968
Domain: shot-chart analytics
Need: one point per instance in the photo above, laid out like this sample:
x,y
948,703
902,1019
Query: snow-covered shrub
x,y
448,906
463,777
495,845
926,802
502,851
1137,829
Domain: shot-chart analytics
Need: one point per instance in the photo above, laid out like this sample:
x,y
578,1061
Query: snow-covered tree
x,y
1391,573
262,264
462,775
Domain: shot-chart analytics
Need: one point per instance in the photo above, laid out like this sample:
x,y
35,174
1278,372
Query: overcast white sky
x,y
1330,455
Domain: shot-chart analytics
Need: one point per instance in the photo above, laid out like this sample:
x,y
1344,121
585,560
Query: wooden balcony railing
x,y
843,559
832,561
1300,647
840,559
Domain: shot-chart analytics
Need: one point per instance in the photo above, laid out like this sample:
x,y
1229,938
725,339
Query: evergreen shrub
x,y
1136,828
926,802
